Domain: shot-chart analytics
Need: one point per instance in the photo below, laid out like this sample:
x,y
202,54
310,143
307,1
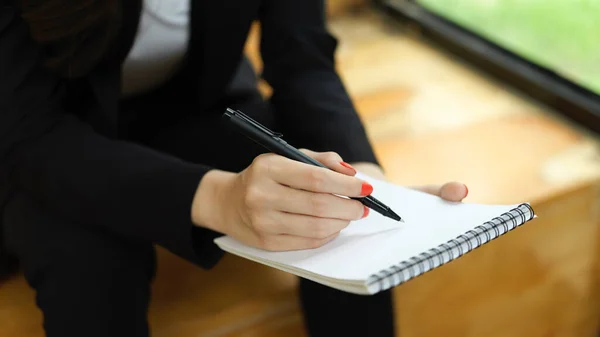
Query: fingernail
x,y
466,188
366,212
366,189
346,165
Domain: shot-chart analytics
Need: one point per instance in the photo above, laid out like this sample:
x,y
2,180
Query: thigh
x,y
206,140
173,121
87,282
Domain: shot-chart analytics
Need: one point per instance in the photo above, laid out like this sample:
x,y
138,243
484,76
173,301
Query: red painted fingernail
x,y
366,212
366,189
466,188
346,165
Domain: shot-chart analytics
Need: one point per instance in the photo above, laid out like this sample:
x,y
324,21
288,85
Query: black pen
x,y
273,142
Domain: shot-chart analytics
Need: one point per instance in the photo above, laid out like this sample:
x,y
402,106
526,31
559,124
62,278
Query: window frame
x,y
566,97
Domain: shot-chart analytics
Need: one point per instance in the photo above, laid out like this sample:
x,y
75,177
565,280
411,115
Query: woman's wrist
x,y
211,195
208,200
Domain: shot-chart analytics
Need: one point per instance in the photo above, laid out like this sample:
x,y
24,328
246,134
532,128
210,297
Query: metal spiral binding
x,y
446,252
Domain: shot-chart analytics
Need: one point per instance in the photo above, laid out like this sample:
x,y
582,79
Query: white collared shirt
x,y
160,45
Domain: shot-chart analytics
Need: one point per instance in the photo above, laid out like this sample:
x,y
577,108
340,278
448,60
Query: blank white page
x,y
369,245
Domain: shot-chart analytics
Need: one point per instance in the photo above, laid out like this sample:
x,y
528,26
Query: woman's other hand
x,y
451,191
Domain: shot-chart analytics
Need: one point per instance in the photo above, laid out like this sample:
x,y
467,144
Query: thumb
x,y
452,191
332,160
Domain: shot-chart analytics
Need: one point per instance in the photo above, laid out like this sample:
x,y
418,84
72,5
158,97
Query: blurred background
x,y
557,34
500,94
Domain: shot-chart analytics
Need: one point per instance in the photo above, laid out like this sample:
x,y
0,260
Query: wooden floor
x,y
431,119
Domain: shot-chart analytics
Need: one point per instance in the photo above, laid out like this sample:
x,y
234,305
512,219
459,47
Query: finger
x,y
307,226
452,191
320,205
280,243
332,160
316,179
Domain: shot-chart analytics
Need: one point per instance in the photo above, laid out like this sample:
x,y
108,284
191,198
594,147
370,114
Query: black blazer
x,y
76,165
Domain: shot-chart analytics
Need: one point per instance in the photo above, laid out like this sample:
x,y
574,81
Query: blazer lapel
x,y
105,84
219,30
105,80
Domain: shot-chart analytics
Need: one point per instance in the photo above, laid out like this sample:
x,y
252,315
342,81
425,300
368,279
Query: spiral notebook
x,y
377,253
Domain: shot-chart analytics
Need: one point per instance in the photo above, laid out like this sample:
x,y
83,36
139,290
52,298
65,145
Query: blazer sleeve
x,y
79,174
312,106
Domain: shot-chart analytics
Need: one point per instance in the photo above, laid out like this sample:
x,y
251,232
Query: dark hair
x,y
75,34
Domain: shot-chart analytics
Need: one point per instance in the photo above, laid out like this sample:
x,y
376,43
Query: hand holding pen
x,y
278,203
274,142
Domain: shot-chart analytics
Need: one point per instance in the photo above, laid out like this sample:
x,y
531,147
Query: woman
x,y
110,142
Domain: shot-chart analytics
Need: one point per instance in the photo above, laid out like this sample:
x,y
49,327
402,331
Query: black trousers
x,y
90,282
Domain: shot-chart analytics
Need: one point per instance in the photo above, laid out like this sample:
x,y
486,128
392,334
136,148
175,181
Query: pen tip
x,y
394,216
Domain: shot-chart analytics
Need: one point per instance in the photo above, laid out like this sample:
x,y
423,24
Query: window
x,y
560,35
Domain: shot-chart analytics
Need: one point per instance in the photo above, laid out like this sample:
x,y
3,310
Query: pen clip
x,y
254,123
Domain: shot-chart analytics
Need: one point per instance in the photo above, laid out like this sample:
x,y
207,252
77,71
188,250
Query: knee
x,y
44,242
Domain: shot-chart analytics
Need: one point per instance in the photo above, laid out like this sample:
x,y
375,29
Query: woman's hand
x,y
280,204
452,191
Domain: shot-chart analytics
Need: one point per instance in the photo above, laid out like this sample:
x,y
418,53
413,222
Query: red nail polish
x,y
346,165
366,212
466,188
366,189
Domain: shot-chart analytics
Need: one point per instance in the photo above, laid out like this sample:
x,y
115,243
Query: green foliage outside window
x,y
562,35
